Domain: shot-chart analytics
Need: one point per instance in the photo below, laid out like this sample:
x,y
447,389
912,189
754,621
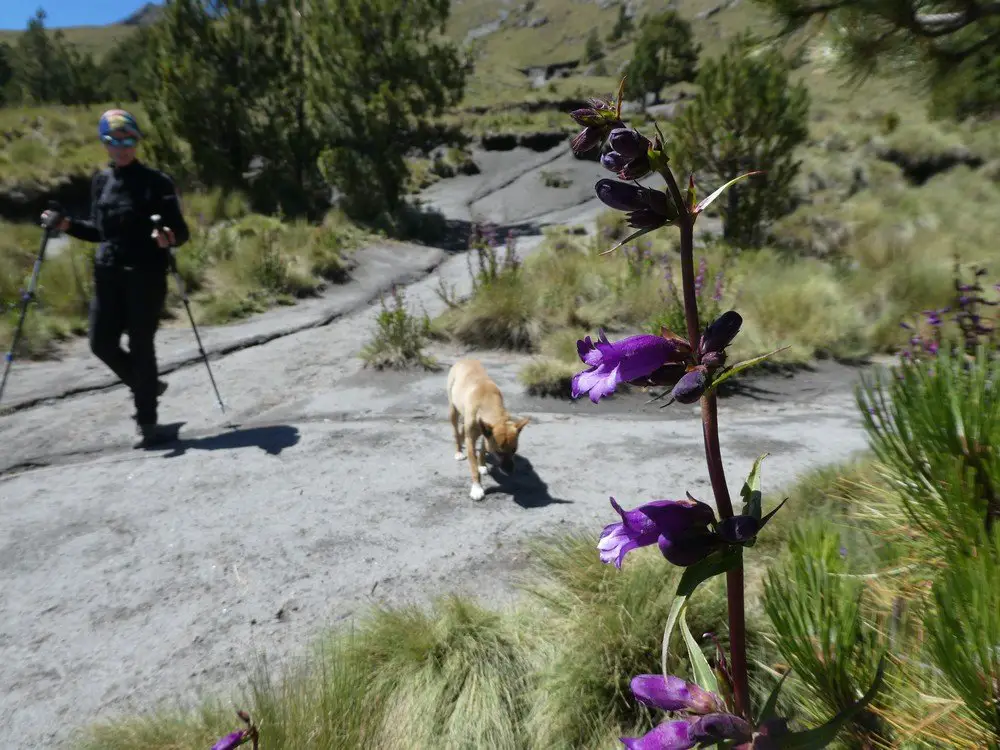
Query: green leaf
x,y
751,490
768,711
720,561
744,365
820,737
675,611
705,203
701,670
634,235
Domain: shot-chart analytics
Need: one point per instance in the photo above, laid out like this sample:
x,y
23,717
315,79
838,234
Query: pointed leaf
x,y
711,199
751,490
633,236
720,561
820,737
744,365
701,670
675,611
768,711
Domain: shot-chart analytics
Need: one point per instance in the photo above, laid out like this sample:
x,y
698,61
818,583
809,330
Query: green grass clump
x,y
399,338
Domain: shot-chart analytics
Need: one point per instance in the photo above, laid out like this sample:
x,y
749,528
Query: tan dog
x,y
476,409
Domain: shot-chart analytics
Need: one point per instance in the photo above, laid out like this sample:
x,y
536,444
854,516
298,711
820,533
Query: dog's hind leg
x,y
458,428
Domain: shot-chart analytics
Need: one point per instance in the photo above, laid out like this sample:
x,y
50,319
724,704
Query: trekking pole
x,y
158,223
28,296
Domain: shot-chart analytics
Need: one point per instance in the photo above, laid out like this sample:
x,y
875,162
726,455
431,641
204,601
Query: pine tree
x,y
747,116
665,53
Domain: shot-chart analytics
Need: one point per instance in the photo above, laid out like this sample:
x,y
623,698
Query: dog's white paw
x,y
460,456
476,493
483,469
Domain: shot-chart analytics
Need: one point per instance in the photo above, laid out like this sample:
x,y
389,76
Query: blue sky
x,y
14,14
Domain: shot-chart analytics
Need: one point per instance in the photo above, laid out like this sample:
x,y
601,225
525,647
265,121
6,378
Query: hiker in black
x,y
130,265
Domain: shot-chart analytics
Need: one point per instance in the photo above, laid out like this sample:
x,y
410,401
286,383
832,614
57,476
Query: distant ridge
x,y
146,15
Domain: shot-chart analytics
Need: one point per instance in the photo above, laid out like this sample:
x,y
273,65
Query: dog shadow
x,y
523,484
272,439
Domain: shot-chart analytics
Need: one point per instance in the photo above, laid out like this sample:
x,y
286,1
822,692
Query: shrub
x,y
399,338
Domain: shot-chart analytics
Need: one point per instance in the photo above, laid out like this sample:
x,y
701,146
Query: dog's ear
x,y
485,429
520,424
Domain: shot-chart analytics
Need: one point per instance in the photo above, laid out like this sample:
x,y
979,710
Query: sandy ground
x,y
131,577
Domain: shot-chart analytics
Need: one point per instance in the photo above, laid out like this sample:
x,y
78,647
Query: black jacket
x,y
122,199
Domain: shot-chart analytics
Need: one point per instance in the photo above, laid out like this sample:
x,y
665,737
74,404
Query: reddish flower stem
x,y
713,455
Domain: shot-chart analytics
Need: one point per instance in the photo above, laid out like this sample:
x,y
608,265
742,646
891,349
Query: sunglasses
x,y
127,142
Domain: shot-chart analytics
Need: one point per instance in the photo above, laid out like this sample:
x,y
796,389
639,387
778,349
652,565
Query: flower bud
x,y
629,143
691,387
587,117
613,161
620,195
738,529
720,332
714,360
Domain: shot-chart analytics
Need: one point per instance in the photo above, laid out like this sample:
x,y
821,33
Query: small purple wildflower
x,y
232,740
679,527
624,361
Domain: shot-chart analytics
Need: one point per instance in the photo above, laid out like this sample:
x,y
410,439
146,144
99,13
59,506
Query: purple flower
x,y
231,741
670,735
632,358
676,525
674,694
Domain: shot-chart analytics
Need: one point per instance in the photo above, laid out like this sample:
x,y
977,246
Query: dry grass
x,y
236,264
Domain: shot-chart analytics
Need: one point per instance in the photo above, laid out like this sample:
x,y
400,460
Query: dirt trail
x,y
130,577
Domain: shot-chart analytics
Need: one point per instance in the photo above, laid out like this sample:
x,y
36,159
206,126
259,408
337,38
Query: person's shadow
x,y
523,484
271,439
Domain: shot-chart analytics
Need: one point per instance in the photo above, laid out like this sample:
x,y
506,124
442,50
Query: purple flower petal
x,y
670,735
686,551
674,694
230,741
635,530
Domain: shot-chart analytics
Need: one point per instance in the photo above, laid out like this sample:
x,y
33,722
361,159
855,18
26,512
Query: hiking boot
x,y
152,435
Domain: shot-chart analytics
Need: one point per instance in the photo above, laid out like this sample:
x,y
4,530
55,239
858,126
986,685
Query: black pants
x,y
129,301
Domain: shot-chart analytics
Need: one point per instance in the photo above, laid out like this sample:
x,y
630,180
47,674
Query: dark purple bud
x,y
635,169
720,332
713,360
714,728
620,195
613,161
645,219
588,117
691,387
587,140
629,143
738,529
907,326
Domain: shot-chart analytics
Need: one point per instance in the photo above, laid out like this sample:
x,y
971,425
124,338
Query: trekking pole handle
x,y
56,217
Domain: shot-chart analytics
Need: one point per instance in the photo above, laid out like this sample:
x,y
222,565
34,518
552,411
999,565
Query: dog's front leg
x,y
457,426
471,436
